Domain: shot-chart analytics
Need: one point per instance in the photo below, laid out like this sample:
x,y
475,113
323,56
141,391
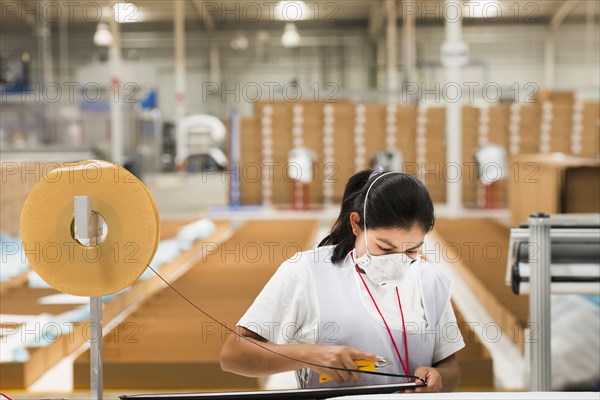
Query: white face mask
x,y
385,268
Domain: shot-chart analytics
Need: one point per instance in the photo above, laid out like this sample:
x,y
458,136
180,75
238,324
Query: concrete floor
x,y
186,196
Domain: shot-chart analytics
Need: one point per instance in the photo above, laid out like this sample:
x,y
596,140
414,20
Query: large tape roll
x,y
125,205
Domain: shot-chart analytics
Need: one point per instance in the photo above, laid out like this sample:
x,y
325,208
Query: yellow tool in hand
x,y
363,365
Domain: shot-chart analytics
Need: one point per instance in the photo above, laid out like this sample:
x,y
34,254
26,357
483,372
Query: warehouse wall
x,y
504,54
516,54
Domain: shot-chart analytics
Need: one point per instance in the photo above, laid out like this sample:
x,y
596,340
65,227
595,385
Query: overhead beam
x,y
208,20
393,82
116,113
409,44
180,76
453,28
562,12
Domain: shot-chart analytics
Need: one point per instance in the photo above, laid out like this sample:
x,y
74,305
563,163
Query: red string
x,y
405,367
403,328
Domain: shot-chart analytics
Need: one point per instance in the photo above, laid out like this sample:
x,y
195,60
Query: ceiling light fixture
x,y
240,42
103,35
290,37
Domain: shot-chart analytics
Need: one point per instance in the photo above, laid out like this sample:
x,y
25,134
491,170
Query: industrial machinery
x,y
552,255
200,139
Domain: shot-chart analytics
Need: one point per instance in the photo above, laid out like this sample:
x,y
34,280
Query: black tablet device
x,y
321,393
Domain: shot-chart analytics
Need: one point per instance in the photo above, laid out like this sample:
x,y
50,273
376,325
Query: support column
x,y
539,302
63,50
116,106
549,61
590,12
215,76
409,43
47,57
393,82
453,59
180,92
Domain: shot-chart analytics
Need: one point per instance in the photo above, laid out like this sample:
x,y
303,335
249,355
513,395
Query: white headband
x,y
365,205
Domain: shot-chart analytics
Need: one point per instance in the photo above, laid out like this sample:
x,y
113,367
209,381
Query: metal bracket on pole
x,y
539,302
88,232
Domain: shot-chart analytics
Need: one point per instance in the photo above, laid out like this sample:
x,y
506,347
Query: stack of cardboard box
x,y
529,128
553,183
435,168
498,134
406,125
17,180
313,139
558,136
374,130
470,181
590,135
344,148
282,144
562,120
250,163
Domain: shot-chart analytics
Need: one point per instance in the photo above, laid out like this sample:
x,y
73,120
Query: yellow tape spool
x,y
132,220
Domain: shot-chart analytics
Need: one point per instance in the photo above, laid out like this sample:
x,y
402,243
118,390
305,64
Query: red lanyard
x,y
404,366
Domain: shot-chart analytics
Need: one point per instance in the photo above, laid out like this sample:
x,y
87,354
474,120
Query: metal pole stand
x,y
539,302
88,231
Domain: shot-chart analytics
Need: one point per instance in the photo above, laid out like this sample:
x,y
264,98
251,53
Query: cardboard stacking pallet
x,y
476,249
175,345
22,300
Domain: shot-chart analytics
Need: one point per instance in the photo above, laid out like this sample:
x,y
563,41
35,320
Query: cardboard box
x,y
556,95
552,183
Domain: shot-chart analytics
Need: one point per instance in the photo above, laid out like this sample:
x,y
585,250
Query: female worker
x,y
363,294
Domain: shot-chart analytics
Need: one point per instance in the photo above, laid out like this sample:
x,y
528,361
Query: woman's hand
x,y
431,376
335,356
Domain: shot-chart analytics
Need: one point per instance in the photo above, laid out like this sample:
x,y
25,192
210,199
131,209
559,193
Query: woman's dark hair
x,y
397,200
